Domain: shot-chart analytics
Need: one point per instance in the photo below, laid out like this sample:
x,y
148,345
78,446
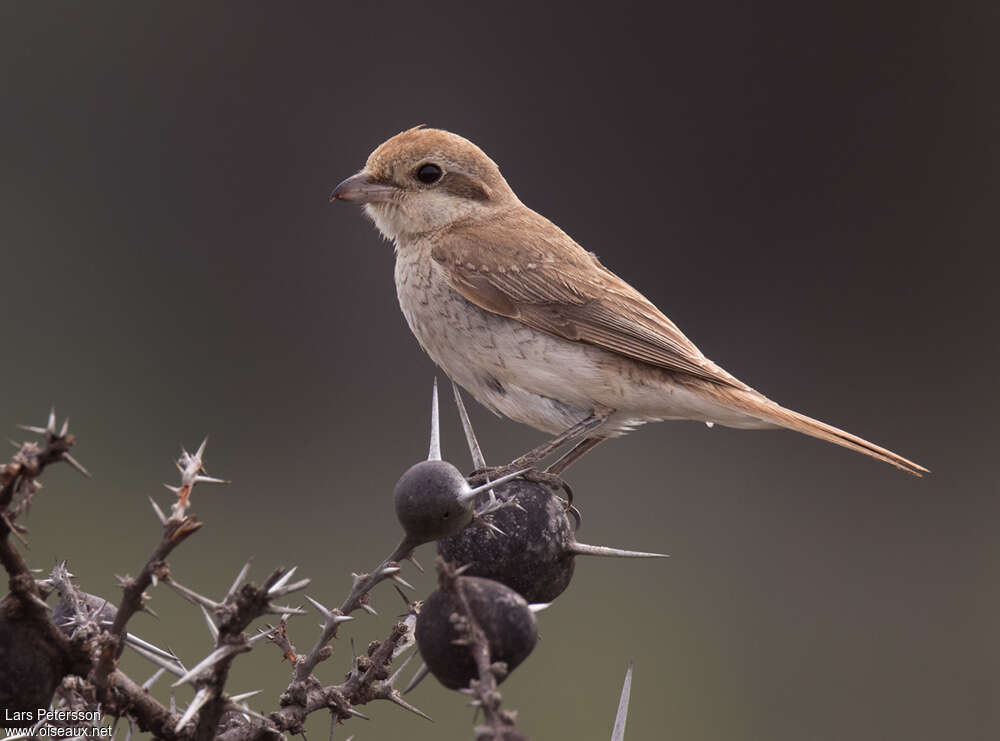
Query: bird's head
x,y
423,180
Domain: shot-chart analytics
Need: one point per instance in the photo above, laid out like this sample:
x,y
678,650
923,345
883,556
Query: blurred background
x,y
809,192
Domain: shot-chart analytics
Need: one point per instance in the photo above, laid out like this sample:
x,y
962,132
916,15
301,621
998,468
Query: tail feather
x,y
768,411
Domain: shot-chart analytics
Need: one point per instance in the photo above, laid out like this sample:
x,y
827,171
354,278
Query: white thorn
x,y
202,479
211,660
159,512
323,610
417,678
402,582
212,627
201,450
238,580
434,453
582,549
51,426
201,697
282,581
288,589
471,493
192,596
539,606
76,464
245,696
478,460
284,610
618,734
149,682
134,640
65,428
397,700
395,674
174,668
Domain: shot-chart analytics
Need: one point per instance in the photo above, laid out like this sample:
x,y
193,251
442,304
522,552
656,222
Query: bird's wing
x,y
526,268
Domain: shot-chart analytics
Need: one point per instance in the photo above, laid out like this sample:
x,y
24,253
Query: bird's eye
x,y
429,173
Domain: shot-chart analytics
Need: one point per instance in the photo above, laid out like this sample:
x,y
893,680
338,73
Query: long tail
x,y
769,411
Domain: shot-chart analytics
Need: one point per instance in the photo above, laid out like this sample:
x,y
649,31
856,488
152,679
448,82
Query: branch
x,y
500,725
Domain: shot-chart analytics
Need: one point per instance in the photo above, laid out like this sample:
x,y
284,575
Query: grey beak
x,y
361,188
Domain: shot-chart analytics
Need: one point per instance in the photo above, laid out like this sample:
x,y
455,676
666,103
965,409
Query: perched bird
x,y
533,325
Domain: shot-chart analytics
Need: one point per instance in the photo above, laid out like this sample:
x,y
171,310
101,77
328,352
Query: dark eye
x,y
429,173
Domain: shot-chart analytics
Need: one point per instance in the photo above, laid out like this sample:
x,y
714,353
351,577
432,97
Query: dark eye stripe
x,y
464,187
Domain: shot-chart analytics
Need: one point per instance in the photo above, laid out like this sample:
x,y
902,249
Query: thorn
x,y
239,577
390,570
212,627
65,428
51,426
282,581
356,713
284,610
159,512
294,587
262,635
174,668
327,615
17,446
434,453
493,528
38,601
149,682
396,699
192,596
201,697
209,661
201,449
478,461
134,641
174,489
32,428
202,479
412,559
582,549
618,734
471,493
402,582
245,710
395,674
417,678
369,609
539,606
76,464
245,696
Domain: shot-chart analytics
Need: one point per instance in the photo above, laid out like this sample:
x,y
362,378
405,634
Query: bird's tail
x,y
769,411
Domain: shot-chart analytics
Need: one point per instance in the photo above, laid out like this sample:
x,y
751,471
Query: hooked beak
x,y
361,188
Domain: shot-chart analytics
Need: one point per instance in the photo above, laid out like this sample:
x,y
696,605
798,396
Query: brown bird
x,y
533,325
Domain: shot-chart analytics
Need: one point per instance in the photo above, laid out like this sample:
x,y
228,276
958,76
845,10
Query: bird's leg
x,y
578,435
574,435
574,454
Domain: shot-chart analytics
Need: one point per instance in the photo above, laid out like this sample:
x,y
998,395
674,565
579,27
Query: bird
x,y
530,323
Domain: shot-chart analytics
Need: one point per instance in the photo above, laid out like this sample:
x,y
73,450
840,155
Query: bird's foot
x,y
553,481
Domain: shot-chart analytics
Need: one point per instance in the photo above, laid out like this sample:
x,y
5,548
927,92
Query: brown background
x,y
809,193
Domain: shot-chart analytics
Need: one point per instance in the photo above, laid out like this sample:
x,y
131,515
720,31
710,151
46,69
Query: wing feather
x,y
524,267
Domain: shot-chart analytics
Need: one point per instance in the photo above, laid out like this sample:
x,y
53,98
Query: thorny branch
x,y
500,725
94,631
